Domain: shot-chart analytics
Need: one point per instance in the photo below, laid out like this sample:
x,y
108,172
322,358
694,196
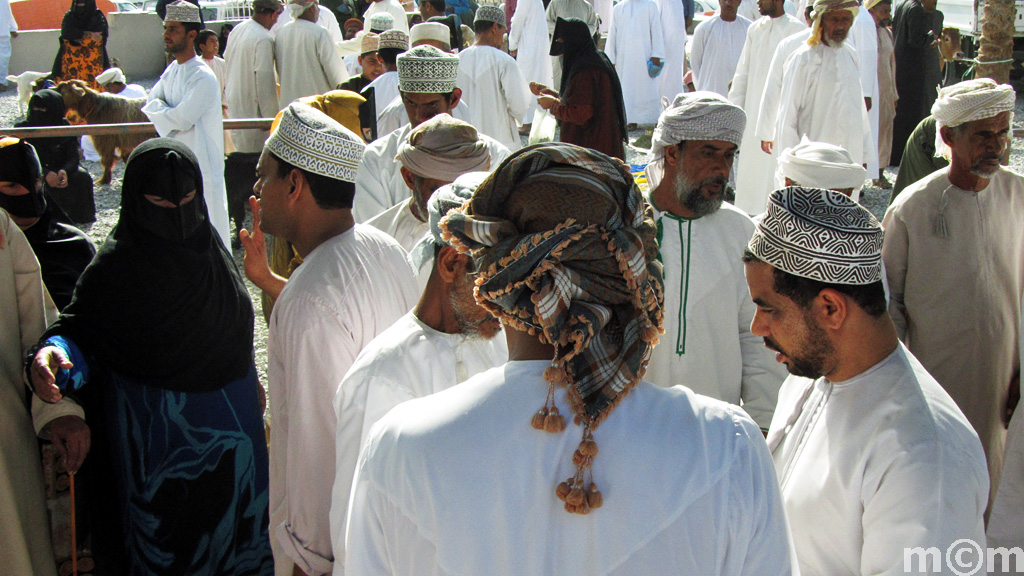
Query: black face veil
x,y
20,164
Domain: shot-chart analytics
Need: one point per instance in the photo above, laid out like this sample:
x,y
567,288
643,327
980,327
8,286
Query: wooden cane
x,y
74,537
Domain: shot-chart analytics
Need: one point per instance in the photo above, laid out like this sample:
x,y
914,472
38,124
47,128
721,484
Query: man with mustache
x,y
821,94
707,344
873,457
954,255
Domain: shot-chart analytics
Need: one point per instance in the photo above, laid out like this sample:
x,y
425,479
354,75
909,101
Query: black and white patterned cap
x,y
311,140
490,13
382,21
427,70
819,234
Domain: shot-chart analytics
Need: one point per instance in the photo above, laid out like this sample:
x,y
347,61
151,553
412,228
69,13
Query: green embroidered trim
x,y
684,286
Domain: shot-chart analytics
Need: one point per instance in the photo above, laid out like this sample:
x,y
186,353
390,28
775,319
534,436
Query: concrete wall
x,y
135,41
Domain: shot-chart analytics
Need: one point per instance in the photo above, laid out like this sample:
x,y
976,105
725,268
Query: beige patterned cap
x,y
311,140
427,70
182,11
490,13
369,43
393,39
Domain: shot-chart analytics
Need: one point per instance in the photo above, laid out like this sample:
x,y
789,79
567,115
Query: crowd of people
x,y
743,371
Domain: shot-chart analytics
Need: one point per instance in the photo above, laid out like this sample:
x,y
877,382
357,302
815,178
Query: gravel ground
x,y
108,197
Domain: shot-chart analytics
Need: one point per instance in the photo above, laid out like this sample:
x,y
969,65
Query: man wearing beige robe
x,y
954,255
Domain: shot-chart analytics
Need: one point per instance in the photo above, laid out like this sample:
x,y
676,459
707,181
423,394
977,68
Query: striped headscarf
x,y
567,251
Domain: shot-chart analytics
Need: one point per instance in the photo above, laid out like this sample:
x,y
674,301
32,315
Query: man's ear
x,y
299,184
673,155
450,264
831,308
409,178
947,135
456,98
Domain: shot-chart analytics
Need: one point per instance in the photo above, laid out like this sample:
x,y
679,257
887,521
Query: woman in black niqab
x,y
160,335
83,44
590,111
64,179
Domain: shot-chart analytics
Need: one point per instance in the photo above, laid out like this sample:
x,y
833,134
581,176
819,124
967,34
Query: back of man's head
x,y
566,252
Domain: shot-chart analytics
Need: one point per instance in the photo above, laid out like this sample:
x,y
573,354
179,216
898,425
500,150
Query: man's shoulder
x,y
925,191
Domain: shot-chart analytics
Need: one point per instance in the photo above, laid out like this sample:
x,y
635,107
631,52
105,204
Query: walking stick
x,y
74,537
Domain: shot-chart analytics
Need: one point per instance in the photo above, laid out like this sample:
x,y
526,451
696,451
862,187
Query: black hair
x,y
204,36
437,5
802,291
389,55
329,193
481,26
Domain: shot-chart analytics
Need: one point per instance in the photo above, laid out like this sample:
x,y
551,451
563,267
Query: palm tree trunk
x,y
996,40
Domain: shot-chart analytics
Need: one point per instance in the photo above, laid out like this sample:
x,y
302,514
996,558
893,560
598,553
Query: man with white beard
x,y
747,86
821,95
707,345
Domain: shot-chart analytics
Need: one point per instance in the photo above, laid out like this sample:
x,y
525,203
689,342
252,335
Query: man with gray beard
x,y
707,344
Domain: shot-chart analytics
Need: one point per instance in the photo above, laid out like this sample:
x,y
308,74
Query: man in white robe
x,y
433,154
566,9
324,18
185,105
28,309
465,481
491,83
707,345
635,44
392,7
716,47
427,82
673,33
353,283
528,44
873,457
1006,523
821,96
8,30
251,90
764,132
954,255
384,88
306,60
863,38
445,339
747,86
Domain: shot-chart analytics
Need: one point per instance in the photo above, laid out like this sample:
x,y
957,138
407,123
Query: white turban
x,y
297,7
969,101
110,75
693,116
819,165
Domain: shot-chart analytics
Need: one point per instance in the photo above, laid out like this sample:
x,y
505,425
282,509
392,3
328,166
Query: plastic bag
x,y
543,128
